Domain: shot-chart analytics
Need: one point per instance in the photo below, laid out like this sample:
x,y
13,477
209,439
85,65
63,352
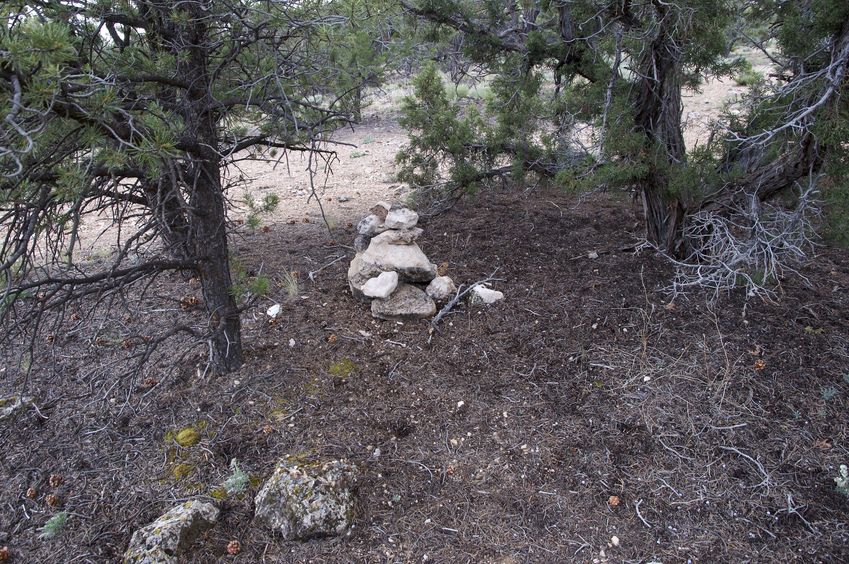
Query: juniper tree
x,y
137,109
588,94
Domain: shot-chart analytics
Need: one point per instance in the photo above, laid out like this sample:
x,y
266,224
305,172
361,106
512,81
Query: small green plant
x,y
238,480
368,139
55,524
828,392
747,76
461,91
358,154
257,210
246,287
842,480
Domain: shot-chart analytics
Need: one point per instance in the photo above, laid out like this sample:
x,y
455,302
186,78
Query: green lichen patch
x,y
187,437
182,470
342,368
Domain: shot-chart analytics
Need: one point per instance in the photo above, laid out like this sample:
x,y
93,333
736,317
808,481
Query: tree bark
x,y
208,213
658,117
210,245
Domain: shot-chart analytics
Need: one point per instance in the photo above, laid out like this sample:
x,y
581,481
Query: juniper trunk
x,y
658,105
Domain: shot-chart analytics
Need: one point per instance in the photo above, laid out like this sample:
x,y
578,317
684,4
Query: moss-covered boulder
x,y
166,540
305,499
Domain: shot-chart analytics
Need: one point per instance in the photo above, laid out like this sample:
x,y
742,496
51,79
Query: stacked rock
x,y
391,270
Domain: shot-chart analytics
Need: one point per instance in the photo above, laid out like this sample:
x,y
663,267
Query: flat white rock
x,y
273,311
399,236
486,295
401,218
381,286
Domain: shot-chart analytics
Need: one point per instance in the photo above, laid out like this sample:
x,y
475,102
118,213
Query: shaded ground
x,y
580,386
717,431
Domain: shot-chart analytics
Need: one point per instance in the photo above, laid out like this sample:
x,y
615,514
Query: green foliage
x,y
442,135
256,210
247,287
746,75
238,480
53,527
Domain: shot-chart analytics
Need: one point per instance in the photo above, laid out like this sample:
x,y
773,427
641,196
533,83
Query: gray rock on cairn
x,y
391,270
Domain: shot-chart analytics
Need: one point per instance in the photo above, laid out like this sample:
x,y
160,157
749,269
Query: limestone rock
x,y
304,500
381,286
406,302
408,261
370,225
361,243
381,209
13,405
401,218
441,288
486,295
164,540
399,236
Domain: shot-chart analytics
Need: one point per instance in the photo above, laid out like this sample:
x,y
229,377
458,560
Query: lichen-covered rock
x,y
304,500
406,302
164,540
13,405
370,225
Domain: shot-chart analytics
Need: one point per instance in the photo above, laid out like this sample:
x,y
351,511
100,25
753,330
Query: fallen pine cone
x,y
55,480
52,500
4,554
613,501
234,547
31,493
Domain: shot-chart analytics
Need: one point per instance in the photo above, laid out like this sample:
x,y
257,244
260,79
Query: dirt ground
x,y
584,418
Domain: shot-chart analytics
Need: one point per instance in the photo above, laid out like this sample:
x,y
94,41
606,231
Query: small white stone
x,y
381,286
592,255
646,378
460,404
614,540
273,311
486,295
291,343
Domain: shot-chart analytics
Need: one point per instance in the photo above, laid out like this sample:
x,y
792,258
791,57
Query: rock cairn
x,y
391,270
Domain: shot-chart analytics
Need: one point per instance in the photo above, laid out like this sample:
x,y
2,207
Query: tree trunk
x,y
208,214
658,117
210,246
